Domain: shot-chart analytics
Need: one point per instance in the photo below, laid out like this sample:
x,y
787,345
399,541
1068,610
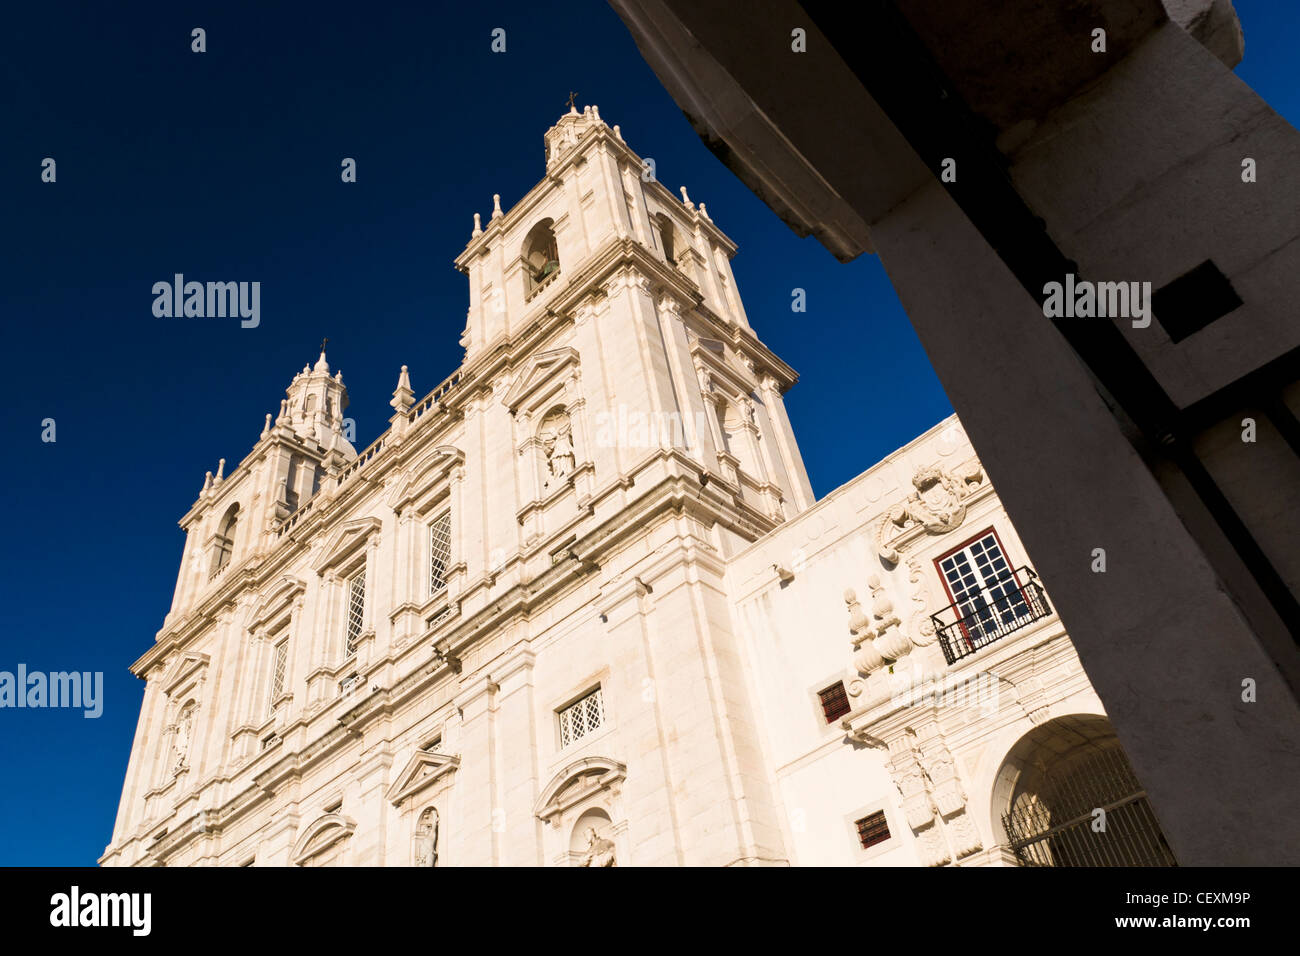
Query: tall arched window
x,y
224,546
541,255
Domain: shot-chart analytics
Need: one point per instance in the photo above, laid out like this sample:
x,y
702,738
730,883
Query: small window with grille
x,y
279,666
439,552
581,718
834,701
356,614
872,829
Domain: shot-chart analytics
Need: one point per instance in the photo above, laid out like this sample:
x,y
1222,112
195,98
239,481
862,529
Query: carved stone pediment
x,y
536,373
276,602
350,536
185,671
424,475
320,835
937,505
576,782
421,771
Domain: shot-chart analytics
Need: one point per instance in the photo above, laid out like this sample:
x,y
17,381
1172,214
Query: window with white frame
x,y
439,552
356,612
279,665
982,584
581,718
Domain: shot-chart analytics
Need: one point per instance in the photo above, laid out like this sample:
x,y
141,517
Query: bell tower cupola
x,y
314,406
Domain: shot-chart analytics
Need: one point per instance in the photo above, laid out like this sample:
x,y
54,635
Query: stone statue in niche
x,y
600,852
556,436
181,739
424,845
561,458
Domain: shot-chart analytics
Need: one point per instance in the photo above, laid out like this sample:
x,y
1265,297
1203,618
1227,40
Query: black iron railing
x,y
990,614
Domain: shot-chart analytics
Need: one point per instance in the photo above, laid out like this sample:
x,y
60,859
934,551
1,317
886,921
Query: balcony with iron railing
x,y
990,614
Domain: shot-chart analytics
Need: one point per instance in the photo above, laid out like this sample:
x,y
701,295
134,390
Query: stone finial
x,y
617,133
890,639
221,469
859,625
266,429
402,395
865,656
686,200
478,227
595,113
207,481
496,206
704,213
283,419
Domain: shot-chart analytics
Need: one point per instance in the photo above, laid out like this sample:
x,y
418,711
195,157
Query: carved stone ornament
x,y
937,506
600,852
877,640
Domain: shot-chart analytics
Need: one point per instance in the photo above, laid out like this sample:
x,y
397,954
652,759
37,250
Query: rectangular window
x,y
873,829
278,668
835,701
581,718
439,552
983,586
356,612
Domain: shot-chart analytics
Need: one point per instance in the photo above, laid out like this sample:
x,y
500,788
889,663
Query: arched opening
x,y
541,256
591,842
1067,796
224,546
667,238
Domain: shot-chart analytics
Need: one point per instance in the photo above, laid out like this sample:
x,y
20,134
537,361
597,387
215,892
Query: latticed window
x,y
873,829
578,720
439,552
356,611
278,667
835,702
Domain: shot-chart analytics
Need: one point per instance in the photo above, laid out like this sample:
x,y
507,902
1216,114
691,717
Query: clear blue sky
x,y
225,165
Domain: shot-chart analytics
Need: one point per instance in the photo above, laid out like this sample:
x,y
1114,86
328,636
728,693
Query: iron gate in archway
x,y
1059,824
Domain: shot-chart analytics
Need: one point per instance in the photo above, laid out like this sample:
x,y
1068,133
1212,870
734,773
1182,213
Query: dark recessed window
x,y
873,829
835,702
1193,301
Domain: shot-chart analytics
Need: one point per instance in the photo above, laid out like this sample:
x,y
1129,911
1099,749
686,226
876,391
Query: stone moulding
x,y
423,770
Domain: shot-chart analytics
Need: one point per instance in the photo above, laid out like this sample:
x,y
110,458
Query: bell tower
x,y
656,331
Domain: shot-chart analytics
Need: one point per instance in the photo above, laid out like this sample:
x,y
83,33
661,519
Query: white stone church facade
x,y
578,606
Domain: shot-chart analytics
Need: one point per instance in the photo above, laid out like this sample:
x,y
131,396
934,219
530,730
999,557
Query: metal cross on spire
x,y
323,343
572,96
